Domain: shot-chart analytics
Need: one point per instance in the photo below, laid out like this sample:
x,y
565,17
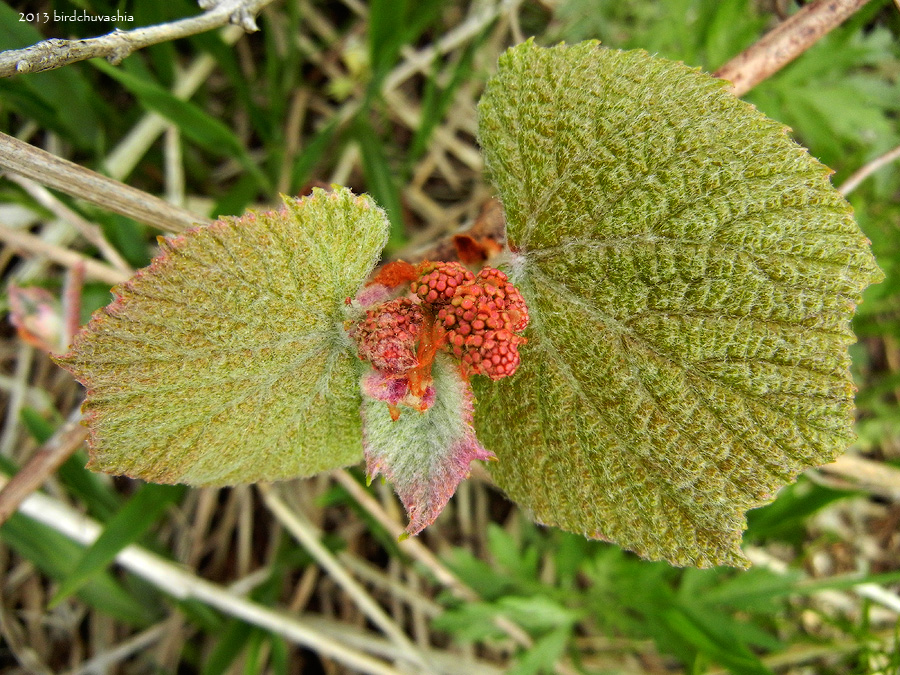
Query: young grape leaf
x,y
690,274
425,454
226,361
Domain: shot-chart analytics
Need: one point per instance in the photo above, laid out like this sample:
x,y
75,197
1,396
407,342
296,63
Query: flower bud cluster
x,y
481,321
387,336
476,318
438,281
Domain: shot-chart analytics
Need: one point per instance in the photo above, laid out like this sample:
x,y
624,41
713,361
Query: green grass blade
x,y
200,127
733,655
237,198
128,525
226,58
233,641
393,24
786,517
311,154
40,428
436,99
56,555
278,659
102,502
380,180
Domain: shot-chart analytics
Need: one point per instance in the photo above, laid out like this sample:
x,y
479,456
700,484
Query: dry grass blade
x,y
90,231
29,243
305,533
877,477
172,579
411,546
867,170
418,551
371,606
60,174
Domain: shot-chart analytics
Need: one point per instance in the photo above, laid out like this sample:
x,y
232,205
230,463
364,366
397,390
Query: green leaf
x,y
729,652
690,274
786,517
226,361
425,454
126,527
537,613
543,655
470,622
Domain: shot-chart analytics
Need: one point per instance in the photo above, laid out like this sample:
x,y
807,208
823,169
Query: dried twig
x,y
785,43
88,230
93,269
44,462
68,177
115,46
867,170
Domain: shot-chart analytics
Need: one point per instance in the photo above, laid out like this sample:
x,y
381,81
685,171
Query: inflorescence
x,y
476,318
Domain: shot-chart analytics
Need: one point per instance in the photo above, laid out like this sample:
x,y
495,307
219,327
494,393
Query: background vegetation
x,y
381,97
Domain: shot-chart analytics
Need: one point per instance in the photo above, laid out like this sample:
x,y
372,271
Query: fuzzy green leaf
x,y
226,361
425,454
690,274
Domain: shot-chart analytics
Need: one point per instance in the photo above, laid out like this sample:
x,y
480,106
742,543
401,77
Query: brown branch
x,y
115,46
785,43
867,170
68,177
45,461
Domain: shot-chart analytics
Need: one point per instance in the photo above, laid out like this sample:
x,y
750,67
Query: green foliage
x,y
700,32
101,501
56,556
697,616
205,130
127,526
850,70
785,518
265,385
381,178
393,24
59,100
424,454
691,275
710,615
